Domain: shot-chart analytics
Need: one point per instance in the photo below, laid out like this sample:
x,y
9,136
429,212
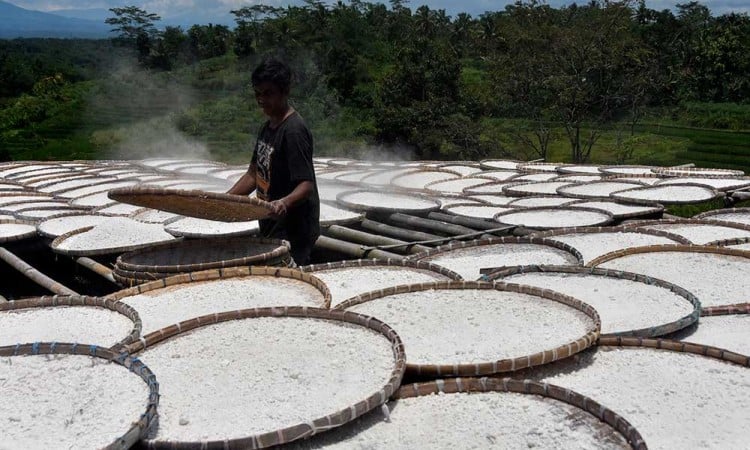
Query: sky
x,y
220,8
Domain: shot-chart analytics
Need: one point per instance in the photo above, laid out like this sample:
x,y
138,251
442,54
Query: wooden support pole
x,y
400,233
429,224
475,223
33,274
360,237
99,269
353,250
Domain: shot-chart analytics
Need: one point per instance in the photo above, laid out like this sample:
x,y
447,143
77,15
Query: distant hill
x,y
19,22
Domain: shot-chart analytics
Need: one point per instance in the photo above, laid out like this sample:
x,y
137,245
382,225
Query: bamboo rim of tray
x,y
515,200
281,249
609,217
390,262
477,204
568,176
340,198
715,194
227,273
721,212
96,181
502,365
195,203
4,207
447,248
486,164
501,184
529,387
726,189
561,190
459,198
570,169
82,300
198,235
432,191
655,331
137,430
56,242
39,173
626,176
420,170
508,189
66,214
703,172
611,169
26,213
679,248
643,224
24,193
551,234
29,166
488,174
35,182
533,167
731,242
18,237
52,181
301,430
651,207
726,310
677,346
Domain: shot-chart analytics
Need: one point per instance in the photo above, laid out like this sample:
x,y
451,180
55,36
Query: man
x,y
281,168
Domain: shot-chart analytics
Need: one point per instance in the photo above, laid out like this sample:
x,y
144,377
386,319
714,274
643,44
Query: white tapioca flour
x,y
64,324
737,217
731,332
536,177
716,183
149,215
116,232
701,234
192,226
617,209
174,304
14,230
418,180
96,188
537,187
119,209
245,377
67,401
332,214
623,305
72,183
554,218
476,211
33,204
20,198
57,226
594,245
43,213
668,193
675,400
535,202
597,189
455,186
386,200
491,199
714,278
467,326
500,164
352,281
468,261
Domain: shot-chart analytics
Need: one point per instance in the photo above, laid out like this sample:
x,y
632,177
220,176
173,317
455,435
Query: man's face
x,y
270,98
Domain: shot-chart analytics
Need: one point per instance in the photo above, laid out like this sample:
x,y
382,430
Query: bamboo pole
x,y
99,269
475,223
354,250
429,224
33,274
396,232
360,237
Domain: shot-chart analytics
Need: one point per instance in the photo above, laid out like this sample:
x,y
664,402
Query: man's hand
x,y
278,208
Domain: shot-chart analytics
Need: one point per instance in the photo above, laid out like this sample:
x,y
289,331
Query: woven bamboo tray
x,y
427,204
677,346
301,430
525,188
529,387
171,258
43,226
627,170
697,172
745,242
140,428
491,367
36,215
648,210
535,177
20,235
55,245
81,300
454,186
714,194
605,217
203,205
538,201
654,331
489,188
476,210
717,213
571,190
533,167
722,184
741,228
505,164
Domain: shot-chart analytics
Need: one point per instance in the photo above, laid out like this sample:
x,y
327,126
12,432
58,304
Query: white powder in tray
x,y
245,377
33,204
352,281
737,217
168,306
535,202
93,200
74,183
386,200
500,164
119,209
594,245
192,226
455,186
667,194
420,179
623,305
12,230
492,199
537,187
701,234
675,400
58,226
468,261
97,188
20,198
115,233
476,211
536,177
730,332
67,401
475,420
43,213
597,189
149,215
616,209
714,278
330,213
554,218
64,324
328,191
467,326
716,183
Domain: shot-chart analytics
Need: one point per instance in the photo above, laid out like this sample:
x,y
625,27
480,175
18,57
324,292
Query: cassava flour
x,y
701,234
10,231
614,208
245,377
58,226
594,245
420,179
547,218
536,202
596,189
730,332
386,200
536,187
468,326
192,226
668,194
476,211
735,217
115,233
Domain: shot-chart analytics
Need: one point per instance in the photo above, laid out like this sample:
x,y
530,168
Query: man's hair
x,y
273,71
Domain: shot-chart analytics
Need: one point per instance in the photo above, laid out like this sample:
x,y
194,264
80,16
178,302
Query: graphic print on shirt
x,y
263,174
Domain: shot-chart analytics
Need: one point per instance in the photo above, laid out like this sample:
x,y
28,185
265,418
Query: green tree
x,y
135,27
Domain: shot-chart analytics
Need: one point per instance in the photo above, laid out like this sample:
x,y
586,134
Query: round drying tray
x,y
533,188
95,188
736,244
64,318
697,172
476,211
87,426
726,328
465,169
69,243
347,279
191,227
649,179
621,210
201,410
447,200
542,201
438,312
371,200
13,197
191,256
732,215
501,164
531,167
716,275
497,175
535,176
150,215
672,194
330,214
117,209
16,230
65,222
555,217
627,170
69,182
469,258
696,231
655,308
10,208
596,189
455,186
720,184
593,242
676,394
167,301
39,214
355,176
490,188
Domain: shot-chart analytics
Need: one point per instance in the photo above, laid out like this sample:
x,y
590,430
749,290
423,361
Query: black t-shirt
x,y
283,157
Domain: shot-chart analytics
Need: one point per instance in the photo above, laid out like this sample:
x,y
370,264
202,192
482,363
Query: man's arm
x,y
298,195
246,184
